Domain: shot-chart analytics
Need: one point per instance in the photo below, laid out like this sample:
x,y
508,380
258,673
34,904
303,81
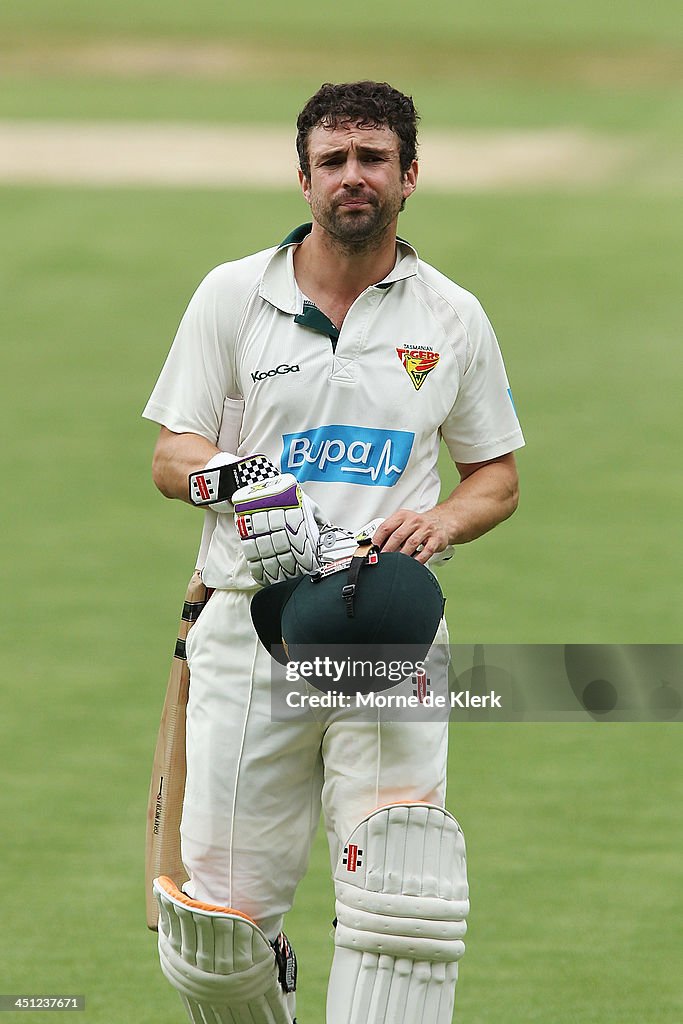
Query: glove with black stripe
x,y
215,485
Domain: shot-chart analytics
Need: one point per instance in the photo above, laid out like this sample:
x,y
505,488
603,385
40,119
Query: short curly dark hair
x,y
369,104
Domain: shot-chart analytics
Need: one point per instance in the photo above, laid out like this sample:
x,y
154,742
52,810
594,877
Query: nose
x,y
353,175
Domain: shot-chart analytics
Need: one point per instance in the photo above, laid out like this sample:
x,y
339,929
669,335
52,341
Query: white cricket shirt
x,y
355,415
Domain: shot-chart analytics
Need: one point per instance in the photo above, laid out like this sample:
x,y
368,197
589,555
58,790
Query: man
x,y
353,359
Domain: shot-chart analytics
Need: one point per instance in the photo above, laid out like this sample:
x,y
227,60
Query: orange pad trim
x,y
172,890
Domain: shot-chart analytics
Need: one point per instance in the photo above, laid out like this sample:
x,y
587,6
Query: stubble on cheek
x,y
361,225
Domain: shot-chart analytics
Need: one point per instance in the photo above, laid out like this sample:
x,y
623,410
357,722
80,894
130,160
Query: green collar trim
x,y
296,236
278,285
316,320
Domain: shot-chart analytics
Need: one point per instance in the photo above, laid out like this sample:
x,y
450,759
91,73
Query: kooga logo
x,y
282,368
340,453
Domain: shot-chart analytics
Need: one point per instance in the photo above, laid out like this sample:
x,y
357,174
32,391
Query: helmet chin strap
x,y
365,553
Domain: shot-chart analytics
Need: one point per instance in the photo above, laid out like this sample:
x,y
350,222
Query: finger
x,y
428,544
413,544
381,535
385,530
390,544
405,538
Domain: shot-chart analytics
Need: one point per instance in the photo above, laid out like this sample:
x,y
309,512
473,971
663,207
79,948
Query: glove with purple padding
x,y
279,527
284,533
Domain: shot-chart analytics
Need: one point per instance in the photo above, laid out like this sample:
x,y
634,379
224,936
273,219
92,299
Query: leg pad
x,y
219,960
401,903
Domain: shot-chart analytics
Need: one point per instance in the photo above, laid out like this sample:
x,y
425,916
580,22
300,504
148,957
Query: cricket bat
x,y
167,785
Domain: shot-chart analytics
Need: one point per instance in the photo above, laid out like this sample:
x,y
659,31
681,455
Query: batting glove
x,y
279,527
216,484
335,544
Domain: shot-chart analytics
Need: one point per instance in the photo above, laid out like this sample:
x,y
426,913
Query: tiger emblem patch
x,y
418,362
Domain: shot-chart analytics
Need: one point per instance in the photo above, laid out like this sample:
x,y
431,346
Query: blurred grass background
x,y
573,830
474,65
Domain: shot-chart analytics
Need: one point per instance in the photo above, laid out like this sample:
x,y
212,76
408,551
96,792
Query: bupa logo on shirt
x,y
339,453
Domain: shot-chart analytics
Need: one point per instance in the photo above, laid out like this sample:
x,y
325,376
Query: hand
x,y
419,534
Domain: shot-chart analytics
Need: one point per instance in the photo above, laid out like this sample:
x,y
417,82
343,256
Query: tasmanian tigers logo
x,y
418,362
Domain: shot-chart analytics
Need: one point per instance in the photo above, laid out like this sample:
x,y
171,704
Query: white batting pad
x,y
219,960
401,903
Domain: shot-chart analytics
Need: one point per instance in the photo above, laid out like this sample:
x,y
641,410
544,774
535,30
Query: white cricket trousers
x,y
255,786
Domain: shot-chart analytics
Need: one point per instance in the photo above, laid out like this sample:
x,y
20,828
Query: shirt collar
x,y
278,285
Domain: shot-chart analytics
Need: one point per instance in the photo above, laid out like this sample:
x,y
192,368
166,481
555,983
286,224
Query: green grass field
x,y
574,830
498,65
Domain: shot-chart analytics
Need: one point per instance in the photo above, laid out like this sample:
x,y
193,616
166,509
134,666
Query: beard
x,y
357,229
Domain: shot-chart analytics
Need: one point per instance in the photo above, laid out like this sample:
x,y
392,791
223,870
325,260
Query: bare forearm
x,y
481,501
175,457
486,495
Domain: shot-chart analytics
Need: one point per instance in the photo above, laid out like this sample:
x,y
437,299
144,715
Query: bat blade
x,y
167,785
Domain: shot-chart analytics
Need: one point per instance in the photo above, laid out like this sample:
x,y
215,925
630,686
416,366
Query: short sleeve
x,y
199,370
482,423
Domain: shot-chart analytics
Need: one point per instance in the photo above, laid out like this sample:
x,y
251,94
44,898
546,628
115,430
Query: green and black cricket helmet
x,y
385,605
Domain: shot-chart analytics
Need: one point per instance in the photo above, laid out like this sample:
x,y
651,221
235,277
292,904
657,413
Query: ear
x,y
304,184
410,180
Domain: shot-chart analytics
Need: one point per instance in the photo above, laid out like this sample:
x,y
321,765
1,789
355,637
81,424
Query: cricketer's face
x,y
356,187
